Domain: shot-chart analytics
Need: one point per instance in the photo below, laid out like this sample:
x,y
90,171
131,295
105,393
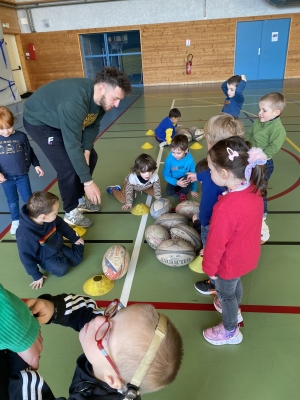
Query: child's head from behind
x,y
228,160
174,115
7,121
271,106
179,146
232,84
131,332
222,126
144,165
201,166
43,206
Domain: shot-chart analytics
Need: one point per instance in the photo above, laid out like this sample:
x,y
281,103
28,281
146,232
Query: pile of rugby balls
x,y
115,262
192,133
174,241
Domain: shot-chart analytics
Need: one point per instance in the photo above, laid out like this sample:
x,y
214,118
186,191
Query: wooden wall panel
x,y
164,51
9,15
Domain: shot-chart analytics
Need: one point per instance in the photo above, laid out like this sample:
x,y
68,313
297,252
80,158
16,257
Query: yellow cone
x,y
140,209
196,265
79,230
98,285
196,146
150,133
147,146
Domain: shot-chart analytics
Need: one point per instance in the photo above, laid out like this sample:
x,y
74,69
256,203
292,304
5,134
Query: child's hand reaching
x,y
42,309
195,194
39,171
2,179
126,206
191,176
38,284
79,241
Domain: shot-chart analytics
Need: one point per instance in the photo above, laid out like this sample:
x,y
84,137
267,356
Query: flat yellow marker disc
x,y
196,265
140,209
147,146
196,146
150,133
98,285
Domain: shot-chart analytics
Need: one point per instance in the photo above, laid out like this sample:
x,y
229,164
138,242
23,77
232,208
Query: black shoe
x,y
205,287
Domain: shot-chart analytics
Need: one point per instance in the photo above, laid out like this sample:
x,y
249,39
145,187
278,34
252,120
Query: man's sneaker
x,y
75,217
218,335
14,227
88,206
265,233
110,189
183,197
218,307
205,287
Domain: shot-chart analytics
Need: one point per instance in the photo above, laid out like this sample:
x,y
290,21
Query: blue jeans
x,y
230,294
204,233
11,187
59,264
269,171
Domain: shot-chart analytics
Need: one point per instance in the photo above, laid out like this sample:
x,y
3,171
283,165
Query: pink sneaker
x,y
218,335
218,307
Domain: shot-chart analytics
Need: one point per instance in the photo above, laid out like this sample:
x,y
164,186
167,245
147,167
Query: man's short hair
x,y
41,203
180,142
174,113
276,101
222,126
114,77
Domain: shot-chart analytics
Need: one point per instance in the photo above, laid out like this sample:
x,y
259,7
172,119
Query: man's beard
x,y
103,104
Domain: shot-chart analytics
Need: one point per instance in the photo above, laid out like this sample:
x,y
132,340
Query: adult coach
x,y
63,118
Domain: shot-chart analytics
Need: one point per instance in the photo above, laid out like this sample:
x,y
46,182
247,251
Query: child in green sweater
x,y
268,133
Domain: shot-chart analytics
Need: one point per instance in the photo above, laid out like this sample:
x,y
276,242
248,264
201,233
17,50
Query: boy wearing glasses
x,y
114,342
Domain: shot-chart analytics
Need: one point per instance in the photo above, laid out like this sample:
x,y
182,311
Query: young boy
x,y
166,129
40,239
178,163
267,131
217,128
233,90
114,343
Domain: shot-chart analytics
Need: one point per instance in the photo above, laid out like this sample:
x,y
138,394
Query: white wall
x,y
135,12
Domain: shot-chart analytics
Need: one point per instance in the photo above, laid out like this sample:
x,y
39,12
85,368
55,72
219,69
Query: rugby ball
x,y
197,134
187,233
115,262
187,208
182,131
160,207
155,235
175,252
171,219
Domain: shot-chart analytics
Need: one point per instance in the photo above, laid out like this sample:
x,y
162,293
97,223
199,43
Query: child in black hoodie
x,y
40,239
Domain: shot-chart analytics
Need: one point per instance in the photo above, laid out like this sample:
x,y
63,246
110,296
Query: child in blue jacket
x,y
233,89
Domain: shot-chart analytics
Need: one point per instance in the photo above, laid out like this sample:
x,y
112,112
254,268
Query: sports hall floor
x,y
265,366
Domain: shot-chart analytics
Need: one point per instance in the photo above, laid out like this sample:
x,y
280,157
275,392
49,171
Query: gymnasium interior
x,y
153,41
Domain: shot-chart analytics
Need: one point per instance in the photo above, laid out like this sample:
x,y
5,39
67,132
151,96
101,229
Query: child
x,y
178,163
143,178
40,239
233,90
114,344
166,129
233,243
218,127
16,156
267,132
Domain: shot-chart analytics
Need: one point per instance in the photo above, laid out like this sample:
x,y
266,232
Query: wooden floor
x,y
265,366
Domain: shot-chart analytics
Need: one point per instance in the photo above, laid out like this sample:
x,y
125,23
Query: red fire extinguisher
x,y
188,64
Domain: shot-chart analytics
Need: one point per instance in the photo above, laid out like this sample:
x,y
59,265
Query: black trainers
x,y
205,287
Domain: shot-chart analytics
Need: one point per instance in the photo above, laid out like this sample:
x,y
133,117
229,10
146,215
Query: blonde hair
x,y
167,361
276,101
222,126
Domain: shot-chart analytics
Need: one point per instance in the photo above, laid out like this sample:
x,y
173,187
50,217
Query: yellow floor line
x,y
292,144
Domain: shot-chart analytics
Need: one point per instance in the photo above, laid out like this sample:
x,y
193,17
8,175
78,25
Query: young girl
x,y
143,178
16,156
233,243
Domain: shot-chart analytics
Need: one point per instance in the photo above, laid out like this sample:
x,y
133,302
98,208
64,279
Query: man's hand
x,y
93,193
42,309
32,355
38,284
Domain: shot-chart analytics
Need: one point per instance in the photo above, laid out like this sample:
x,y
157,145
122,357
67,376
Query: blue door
x,y
261,48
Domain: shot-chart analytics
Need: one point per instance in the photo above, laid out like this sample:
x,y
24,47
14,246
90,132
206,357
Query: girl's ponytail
x,y
255,170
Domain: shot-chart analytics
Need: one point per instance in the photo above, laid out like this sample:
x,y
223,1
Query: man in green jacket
x,y
63,118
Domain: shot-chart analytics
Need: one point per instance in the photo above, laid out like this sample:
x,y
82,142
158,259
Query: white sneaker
x,y
75,217
265,233
14,227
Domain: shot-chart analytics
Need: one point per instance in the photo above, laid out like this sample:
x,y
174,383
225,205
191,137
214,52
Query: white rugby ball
x,y
175,252
160,207
155,235
115,262
171,219
198,135
187,208
187,233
